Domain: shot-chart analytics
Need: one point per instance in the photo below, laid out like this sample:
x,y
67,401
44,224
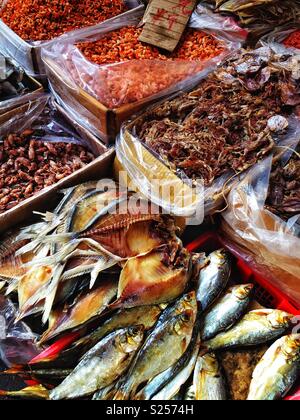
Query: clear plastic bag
x,y
268,243
41,116
276,38
27,53
17,341
127,83
161,181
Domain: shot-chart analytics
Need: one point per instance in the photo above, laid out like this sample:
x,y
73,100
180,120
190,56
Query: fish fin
x,y
50,296
36,391
13,286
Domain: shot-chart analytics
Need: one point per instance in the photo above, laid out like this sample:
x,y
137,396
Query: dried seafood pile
x,y
260,16
229,122
284,190
126,355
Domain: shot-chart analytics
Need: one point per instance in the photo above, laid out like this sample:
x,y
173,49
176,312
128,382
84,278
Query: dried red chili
x,y
293,40
118,85
40,20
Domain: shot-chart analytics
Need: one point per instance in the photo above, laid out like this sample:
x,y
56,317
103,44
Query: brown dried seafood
x,y
260,16
284,189
229,122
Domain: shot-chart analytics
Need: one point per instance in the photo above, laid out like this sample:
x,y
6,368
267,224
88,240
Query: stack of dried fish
x,y
127,355
11,80
284,190
56,263
260,16
228,124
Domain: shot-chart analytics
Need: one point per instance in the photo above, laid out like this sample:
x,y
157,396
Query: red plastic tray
x,y
265,293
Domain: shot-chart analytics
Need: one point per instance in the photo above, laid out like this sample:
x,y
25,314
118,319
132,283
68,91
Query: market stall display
x,y
229,123
26,26
106,75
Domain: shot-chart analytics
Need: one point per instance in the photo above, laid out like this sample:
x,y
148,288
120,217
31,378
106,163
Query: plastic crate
x,y
265,293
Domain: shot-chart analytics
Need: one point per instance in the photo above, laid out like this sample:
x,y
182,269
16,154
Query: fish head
x,y
132,339
188,302
184,322
280,319
211,364
244,291
221,256
291,346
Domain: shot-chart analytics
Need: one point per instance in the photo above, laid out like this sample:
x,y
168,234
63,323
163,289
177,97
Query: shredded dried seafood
x,y
284,190
260,16
229,122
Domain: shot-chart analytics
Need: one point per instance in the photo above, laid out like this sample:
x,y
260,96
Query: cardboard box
x,y
103,121
35,89
27,54
101,166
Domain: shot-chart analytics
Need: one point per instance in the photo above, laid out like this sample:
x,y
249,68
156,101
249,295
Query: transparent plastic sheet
x,y
276,38
41,116
27,53
17,341
126,83
151,176
266,242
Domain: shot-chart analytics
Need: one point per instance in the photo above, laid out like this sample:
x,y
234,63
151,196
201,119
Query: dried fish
x,y
256,327
68,358
102,365
158,277
213,278
278,370
227,311
209,383
84,309
175,334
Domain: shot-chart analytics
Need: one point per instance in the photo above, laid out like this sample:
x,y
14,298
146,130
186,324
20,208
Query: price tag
x,y
165,22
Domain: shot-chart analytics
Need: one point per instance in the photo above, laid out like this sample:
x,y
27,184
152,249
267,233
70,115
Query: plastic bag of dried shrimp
x,y
107,69
16,339
262,222
186,154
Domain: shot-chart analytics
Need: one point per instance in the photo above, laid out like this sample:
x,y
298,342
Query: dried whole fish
x,y
208,382
227,311
68,358
172,379
102,365
158,277
84,309
278,370
284,188
173,387
213,278
175,334
256,327
222,127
